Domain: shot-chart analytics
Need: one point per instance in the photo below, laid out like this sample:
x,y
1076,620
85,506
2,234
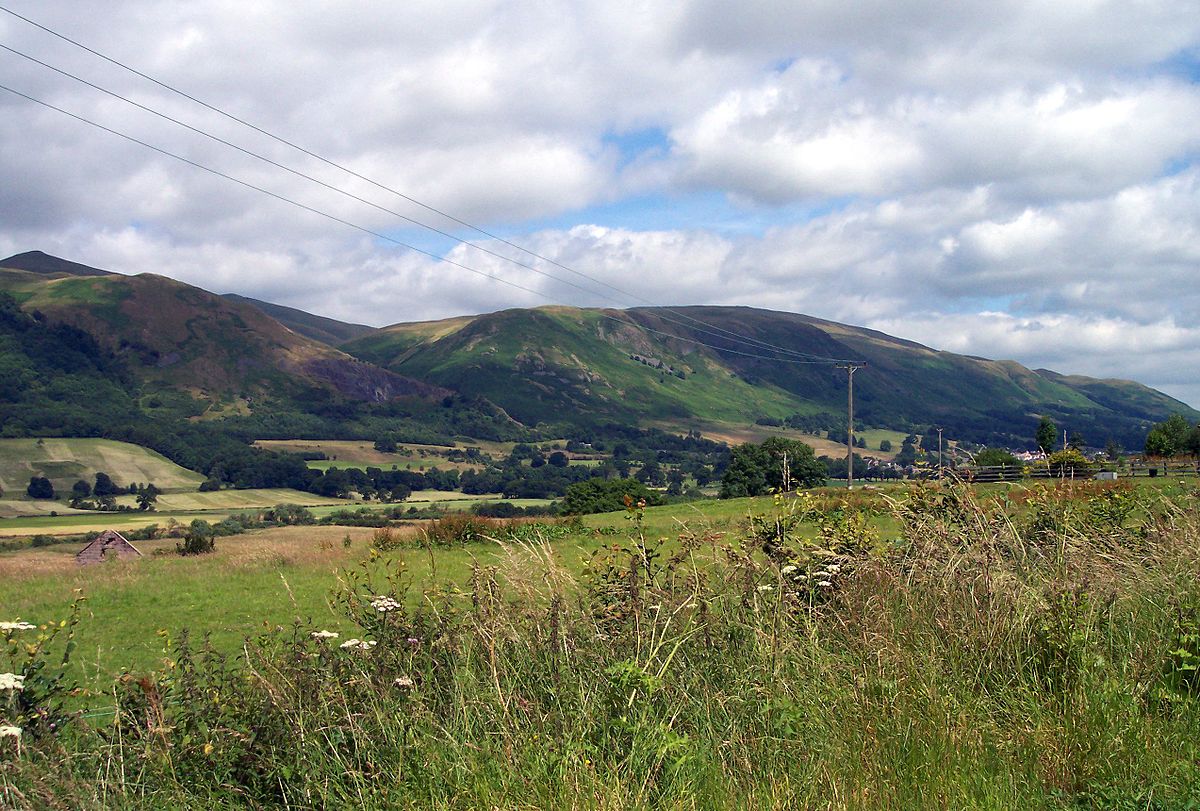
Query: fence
x,y
1124,469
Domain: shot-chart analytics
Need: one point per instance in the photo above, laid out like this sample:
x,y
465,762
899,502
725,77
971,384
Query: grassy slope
x,y
65,461
176,335
572,362
542,364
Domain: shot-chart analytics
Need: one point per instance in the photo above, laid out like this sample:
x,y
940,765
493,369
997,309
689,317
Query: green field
x,y
991,647
65,461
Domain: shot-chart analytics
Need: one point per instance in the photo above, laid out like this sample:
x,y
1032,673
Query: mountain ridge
x,y
561,365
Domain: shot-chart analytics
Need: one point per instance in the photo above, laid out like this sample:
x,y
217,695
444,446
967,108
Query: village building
x,y
107,544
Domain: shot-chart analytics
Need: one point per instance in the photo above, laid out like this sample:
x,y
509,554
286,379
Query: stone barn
x,y
109,543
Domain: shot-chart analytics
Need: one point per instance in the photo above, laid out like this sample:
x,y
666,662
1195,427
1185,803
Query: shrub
x,y
199,540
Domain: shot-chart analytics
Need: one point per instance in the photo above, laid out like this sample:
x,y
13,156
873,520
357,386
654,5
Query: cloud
x,y
1003,177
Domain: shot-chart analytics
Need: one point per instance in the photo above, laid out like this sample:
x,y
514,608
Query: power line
x,y
719,331
377,234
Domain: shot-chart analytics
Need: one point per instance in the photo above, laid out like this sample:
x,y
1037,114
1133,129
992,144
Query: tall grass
x,y
987,658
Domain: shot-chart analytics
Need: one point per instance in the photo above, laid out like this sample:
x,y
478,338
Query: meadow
x,y
1001,647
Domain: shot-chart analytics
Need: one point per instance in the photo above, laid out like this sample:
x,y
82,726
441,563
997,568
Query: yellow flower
x,y
208,748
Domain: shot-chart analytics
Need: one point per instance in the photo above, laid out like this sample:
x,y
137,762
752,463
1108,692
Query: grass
x,y
178,506
1007,648
65,461
360,454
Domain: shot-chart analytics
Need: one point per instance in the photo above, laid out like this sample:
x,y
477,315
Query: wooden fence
x,y
1124,469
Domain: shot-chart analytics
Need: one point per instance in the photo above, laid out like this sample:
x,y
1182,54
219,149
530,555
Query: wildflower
x,y
788,569
412,640
10,732
384,604
11,681
766,588
825,584
358,644
834,568
403,681
324,635
17,626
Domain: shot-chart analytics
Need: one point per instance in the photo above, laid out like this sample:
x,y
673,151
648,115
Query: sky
x,y
1005,179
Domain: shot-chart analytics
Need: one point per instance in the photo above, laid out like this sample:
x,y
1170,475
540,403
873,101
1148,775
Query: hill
x,y
326,330
181,337
65,461
586,365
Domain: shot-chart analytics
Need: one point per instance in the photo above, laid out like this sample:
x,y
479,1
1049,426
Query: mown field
x,y
991,647
65,461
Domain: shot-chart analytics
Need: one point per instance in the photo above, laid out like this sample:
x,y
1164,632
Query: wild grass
x,y
982,658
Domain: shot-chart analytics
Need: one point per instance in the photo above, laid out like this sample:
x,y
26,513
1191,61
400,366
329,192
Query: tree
x,y
81,490
386,444
1112,450
40,488
885,445
1169,438
601,495
1047,435
105,486
559,459
757,469
995,457
147,497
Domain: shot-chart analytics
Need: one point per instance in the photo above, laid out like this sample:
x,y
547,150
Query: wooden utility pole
x,y
850,368
939,430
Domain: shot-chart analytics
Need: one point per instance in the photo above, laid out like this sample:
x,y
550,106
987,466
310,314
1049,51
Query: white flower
x,y
324,635
11,681
10,732
766,588
788,569
358,644
834,569
384,604
825,584
403,681
17,626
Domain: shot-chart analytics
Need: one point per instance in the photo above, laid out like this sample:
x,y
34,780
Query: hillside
x,y
65,461
326,330
175,335
560,363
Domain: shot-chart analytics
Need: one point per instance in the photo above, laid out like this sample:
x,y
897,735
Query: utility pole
x,y
850,368
939,430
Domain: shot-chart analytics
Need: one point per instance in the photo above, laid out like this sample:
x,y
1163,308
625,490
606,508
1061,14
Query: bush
x,y
199,540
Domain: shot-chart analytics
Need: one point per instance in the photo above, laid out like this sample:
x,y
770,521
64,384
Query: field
x,y
65,461
178,506
733,434
360,454
996,646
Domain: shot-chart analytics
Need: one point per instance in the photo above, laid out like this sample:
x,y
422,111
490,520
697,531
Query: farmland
x,y
64,461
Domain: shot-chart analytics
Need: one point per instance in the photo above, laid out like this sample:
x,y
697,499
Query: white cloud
x,y
1024,167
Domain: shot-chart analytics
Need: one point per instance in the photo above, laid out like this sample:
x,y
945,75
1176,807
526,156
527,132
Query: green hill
x,y
326,330
178,336
561,364
65,461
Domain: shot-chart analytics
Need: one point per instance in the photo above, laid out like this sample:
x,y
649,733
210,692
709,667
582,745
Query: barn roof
x,y
107,541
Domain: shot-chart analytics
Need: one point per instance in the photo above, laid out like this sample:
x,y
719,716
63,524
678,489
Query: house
x,y
109,543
